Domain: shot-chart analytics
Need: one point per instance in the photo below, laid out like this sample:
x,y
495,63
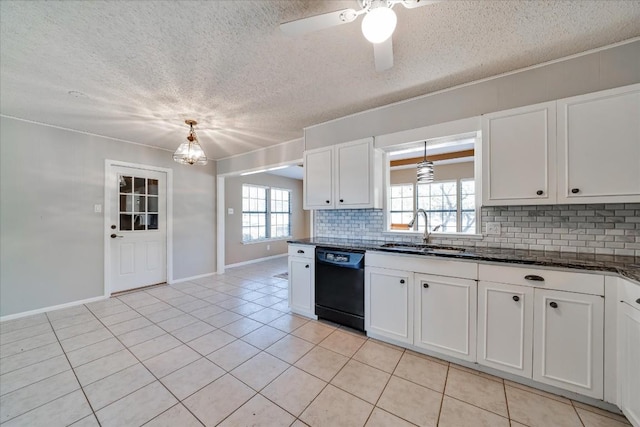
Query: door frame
x,y
109,186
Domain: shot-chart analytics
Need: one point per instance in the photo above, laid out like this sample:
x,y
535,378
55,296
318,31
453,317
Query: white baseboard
x,y
187,279
253,261
51,308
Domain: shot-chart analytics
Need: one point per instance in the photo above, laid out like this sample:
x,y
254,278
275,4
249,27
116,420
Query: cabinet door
x,y
301,289
446,315
505,327
629,361
519,156
354,175
387,299
568,341
318,179
599,147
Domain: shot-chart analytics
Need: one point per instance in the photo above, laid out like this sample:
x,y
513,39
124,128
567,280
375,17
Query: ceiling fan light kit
x,y
378,25
190,152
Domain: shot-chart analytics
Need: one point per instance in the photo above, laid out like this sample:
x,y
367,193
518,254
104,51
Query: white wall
x,y
51,245
608,68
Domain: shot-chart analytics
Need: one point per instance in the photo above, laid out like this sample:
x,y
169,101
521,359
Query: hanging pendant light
x,y
190,152
425,169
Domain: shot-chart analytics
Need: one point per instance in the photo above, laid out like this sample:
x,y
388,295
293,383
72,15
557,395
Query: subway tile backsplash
x,y
612,229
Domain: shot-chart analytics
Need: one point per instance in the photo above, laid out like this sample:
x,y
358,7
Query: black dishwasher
x,y
340,286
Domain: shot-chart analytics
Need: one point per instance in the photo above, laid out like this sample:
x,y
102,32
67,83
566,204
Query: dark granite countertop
x,y
626,266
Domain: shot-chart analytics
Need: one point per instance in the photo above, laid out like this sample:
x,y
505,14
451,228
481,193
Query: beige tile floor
x,y
225,350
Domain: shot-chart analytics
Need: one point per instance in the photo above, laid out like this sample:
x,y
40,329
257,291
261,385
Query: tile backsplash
x,y
597,228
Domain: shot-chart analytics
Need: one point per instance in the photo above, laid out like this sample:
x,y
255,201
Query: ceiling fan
x,y
378,25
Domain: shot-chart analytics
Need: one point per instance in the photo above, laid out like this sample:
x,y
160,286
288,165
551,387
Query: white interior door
x,y
138,228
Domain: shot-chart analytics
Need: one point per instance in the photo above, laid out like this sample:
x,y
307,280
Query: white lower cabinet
x,y
388,304
629,353
568,341
445,315
301,280
505,327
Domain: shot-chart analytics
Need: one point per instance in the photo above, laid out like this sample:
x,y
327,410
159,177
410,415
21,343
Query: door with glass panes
x,y
138,235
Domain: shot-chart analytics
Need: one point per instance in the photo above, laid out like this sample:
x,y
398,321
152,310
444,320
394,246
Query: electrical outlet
x,y
230,211
268,247
97,208
493,228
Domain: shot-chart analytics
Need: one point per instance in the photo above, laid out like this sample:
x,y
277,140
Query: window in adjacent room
x,y
266,213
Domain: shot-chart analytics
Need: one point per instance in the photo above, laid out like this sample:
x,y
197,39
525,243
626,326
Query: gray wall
x,y
287,152
235,250
605,69
51,246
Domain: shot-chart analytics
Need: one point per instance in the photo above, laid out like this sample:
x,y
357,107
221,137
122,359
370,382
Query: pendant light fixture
x,y
425,169
190,152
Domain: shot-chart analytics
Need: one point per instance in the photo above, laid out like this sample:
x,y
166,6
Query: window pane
x,y
126,203
152,186
125,184
153,204
153,222
140,203
126,223
139,222
139,186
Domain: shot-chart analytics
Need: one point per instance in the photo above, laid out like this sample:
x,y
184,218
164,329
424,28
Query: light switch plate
x,y
230,211
493,228
97,208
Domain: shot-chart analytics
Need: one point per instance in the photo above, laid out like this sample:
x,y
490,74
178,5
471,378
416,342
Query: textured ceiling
x,y
145,66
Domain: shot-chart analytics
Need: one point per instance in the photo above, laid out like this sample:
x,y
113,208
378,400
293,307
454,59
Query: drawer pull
x,y
425,285
553,304
516,298
402,281
300,251
539,192
534,278
306,266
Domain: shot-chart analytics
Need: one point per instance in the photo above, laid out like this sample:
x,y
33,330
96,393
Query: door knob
x,y
575,190
114,235
425,285
553,304
539,192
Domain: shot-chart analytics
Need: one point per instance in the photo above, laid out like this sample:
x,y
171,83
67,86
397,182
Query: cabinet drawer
x,y
630,293
302,251
423,264
558,280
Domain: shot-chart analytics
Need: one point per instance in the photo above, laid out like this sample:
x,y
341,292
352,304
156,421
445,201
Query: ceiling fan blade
x,y
318,22
383,55
412,4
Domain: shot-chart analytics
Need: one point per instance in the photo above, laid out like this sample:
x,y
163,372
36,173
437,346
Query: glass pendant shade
x,y
378,24
425,172
190,152
425,169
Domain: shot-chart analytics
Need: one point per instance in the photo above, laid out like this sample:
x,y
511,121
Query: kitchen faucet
x,y
426,236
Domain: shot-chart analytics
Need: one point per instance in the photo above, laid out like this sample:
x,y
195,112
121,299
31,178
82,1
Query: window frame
x,y
267,214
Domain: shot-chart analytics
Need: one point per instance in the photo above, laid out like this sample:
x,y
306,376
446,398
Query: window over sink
x,y
450,200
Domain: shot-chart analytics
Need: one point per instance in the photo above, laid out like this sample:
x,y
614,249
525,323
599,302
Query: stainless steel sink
x,y
420,248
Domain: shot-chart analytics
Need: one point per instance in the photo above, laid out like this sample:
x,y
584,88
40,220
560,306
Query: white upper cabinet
x,y
344,176
519,152
599,147
584,149
318,179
